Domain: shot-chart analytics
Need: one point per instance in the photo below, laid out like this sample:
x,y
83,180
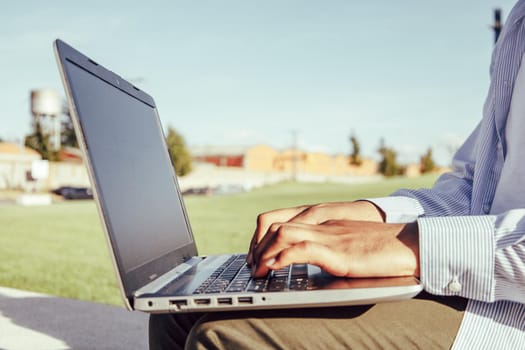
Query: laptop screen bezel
x,y
129,281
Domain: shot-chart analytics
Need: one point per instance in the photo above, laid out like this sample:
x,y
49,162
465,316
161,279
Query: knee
x,y
206,335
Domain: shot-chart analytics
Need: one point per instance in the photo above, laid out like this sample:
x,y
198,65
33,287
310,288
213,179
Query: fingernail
x,y
269,262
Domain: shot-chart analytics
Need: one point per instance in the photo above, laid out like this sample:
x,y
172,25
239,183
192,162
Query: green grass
x,y
60,249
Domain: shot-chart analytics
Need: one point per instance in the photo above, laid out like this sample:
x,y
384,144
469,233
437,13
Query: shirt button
x,y
486,208
454,286
498,146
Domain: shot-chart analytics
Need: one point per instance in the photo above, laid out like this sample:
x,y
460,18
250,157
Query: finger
x,y
307,252
264,221
282,236
292,232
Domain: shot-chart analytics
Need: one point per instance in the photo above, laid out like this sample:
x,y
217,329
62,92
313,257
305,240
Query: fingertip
x,y
259,271
270,263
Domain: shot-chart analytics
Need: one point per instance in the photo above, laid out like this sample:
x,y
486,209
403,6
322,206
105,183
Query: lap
x,y
424,322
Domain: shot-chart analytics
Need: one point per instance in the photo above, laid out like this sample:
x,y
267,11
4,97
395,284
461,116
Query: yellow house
x,y
267,159
260,158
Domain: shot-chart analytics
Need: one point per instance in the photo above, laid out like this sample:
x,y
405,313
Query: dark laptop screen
x,y
136,187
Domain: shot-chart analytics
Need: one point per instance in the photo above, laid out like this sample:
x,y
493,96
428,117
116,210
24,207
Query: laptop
x,y
146,224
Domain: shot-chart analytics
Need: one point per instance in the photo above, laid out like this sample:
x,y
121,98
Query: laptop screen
x,y
136,187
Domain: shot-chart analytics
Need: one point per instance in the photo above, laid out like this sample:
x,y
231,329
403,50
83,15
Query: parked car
x,y
70,192
198,191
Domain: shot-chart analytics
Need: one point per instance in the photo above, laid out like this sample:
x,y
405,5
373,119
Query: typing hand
x,y
312,214
341,247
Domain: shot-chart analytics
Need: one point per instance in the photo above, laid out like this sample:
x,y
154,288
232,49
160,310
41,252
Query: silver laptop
x,y
146,224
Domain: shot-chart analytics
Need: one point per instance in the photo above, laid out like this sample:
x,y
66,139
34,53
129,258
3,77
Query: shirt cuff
x,y
398,209
457,256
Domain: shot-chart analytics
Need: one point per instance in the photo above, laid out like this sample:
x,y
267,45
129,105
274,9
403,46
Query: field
x,y
60,249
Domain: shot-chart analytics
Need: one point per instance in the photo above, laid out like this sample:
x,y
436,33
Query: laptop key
x,y
257,285
298,284
300,270
234,276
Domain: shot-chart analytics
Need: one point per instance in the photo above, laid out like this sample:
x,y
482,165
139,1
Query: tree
x,y
39,141
427,163
180,156
67,132
388,165
355,156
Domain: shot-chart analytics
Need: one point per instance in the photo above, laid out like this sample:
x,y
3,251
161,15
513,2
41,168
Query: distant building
x,y
258,158
15,165
267,159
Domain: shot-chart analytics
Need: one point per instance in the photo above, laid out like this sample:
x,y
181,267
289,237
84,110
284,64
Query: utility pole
x,y
497,24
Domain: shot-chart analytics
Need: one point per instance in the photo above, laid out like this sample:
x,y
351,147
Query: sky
x,y
414,73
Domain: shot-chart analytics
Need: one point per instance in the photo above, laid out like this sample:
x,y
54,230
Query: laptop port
x,y
245,300
179,303
225,301
205,301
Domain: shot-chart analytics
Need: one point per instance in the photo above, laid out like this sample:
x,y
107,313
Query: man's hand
x,y
341,247
313,214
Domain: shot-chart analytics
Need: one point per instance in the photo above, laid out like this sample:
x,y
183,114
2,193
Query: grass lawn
x,y
60,249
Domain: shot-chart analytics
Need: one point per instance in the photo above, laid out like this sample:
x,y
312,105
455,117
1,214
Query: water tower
x,y
46,108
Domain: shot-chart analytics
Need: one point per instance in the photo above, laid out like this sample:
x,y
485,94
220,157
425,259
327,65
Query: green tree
x,y
355,156
180,156
388,165
427,163
67,132
39,141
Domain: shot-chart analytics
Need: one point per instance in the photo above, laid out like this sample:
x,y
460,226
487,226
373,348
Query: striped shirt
x,y
472,221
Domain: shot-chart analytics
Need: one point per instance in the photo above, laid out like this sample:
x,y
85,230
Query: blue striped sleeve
x,y
510,256
457,256
477,257
452,192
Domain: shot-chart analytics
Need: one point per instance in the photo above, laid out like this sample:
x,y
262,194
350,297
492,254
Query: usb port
x,y
179,303
224,301
245,300
205,301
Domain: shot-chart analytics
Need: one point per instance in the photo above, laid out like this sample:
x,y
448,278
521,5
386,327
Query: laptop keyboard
x,y
234,276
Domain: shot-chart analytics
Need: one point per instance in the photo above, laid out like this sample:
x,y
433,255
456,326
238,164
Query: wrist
x,y
371,211
409,236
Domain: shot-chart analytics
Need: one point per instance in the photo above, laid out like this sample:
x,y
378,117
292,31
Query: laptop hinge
x,y
157,284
